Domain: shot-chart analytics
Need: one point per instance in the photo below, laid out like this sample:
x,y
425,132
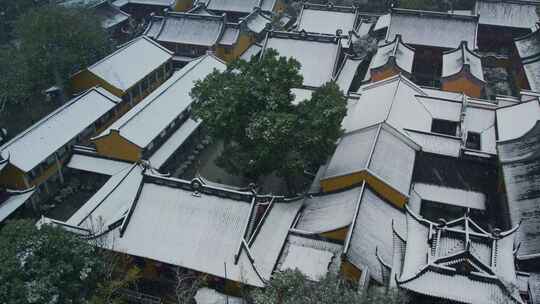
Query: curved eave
x,y
465,73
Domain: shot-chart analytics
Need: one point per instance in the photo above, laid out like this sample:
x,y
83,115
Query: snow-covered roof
x,y
177,139
436,254
515,121
230,34
507,13
257,22
327,19
131,63
433,29
529,45
451,196
238,6
314,263
381,150
312,256
15,199
110,14
167,102
383,22
394,53
347,72
187,28
393,101
111,202
460,60
437,143
371,235
317,54
253,50
96,164
42,139
204,232
328,212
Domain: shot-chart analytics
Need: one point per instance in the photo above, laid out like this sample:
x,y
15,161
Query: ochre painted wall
x,y
462,84
85,80
337,235
350,272
183,5
12,177
244,41
342,182
346,181
115,146
383,73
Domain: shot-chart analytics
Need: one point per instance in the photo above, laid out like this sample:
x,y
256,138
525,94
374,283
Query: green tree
x,y
56,41
290,287
51,265
9,12
250,107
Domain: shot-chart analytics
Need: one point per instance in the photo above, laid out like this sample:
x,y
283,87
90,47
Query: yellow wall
x,y
183,5
12,177
244,41
85,80
462,84
350,272
346,181
384,73
337,235
115,146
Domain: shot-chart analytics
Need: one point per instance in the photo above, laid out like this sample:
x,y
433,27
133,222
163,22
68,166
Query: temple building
x,y
462,72
236,9
140,9
138,135
327,19
392,58
234,237
501,21
319,55
124,75
431,34
455,260
36,157
190,35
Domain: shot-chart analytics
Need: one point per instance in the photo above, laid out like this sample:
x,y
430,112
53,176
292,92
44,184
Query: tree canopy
x,y
56,41
53,42
51,265
250,106
292,287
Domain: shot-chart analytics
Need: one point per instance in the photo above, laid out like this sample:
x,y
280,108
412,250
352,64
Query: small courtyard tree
x,y
291,286
251,108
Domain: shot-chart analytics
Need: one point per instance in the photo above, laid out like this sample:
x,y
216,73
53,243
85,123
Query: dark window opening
x,y
473,141
444,127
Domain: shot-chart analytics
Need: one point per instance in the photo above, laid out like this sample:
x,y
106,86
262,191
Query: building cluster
x,y
434,188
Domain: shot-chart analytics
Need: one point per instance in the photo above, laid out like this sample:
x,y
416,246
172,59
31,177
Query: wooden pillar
x,y
59,166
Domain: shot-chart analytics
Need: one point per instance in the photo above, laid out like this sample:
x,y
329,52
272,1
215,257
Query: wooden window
x,y
473,141
442,126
